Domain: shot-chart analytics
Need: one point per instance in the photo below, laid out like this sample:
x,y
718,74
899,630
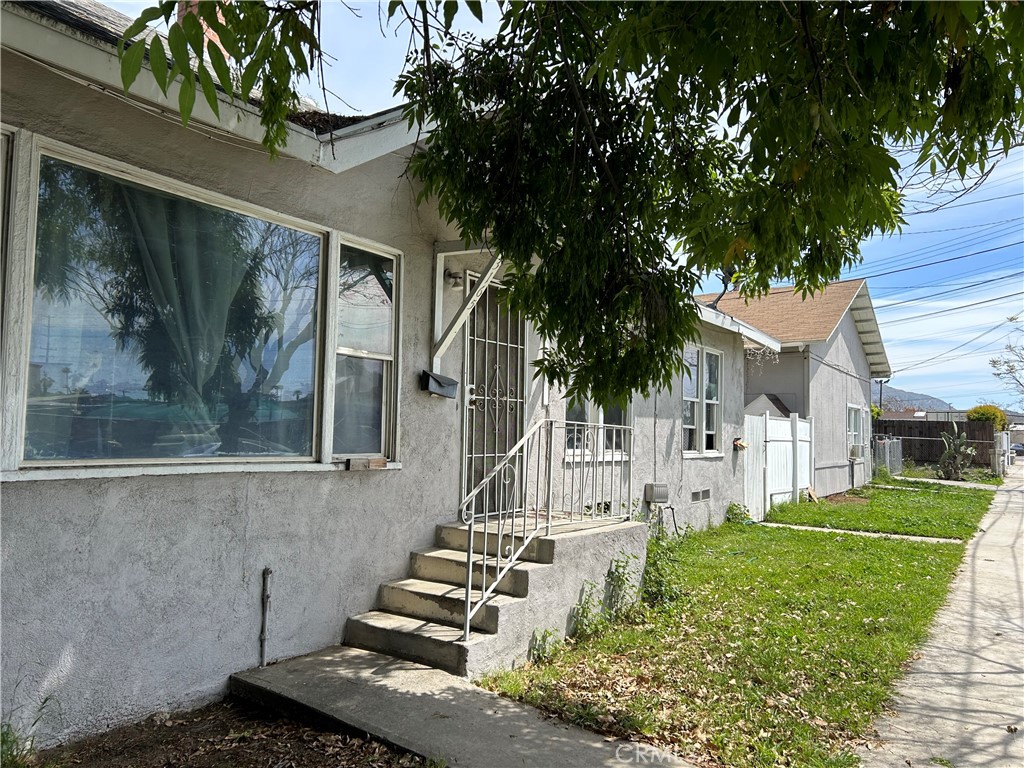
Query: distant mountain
x,y
893,396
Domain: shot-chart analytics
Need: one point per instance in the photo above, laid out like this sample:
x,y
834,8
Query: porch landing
x,y
431,713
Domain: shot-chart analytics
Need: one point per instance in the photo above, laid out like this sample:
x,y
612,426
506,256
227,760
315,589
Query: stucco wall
x,y
658,442
126,595
839,375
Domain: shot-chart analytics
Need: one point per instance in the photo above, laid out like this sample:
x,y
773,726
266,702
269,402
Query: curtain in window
x,y
194,267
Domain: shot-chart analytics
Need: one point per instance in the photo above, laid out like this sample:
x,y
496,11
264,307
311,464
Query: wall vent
x,y
704,495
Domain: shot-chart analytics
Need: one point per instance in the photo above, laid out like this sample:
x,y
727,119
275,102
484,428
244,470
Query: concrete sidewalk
x,y
433,713
963,700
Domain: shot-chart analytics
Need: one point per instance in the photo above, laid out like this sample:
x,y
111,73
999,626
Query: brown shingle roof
x,y
787,315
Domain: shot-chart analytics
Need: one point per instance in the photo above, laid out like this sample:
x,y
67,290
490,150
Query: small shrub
x,y
620,589
737,513
588,617
659,582
991,413
544,645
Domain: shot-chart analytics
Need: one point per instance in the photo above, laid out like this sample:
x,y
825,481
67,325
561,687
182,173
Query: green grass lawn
x,y
942,511
930,472
753,647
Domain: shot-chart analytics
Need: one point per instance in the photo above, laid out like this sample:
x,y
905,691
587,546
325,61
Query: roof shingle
x,y
788,316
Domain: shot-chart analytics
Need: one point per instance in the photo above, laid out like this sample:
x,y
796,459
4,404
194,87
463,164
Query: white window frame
x,y
595,416
18,292
857,437
701,403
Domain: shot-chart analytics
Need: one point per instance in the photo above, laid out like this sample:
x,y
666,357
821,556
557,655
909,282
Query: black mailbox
x,y
438,385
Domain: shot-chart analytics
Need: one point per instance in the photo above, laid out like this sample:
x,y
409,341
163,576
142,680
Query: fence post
x,y
810,454
794,423
764,472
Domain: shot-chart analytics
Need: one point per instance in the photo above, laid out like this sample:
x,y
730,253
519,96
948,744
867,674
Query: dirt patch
x,y
221,735
842,498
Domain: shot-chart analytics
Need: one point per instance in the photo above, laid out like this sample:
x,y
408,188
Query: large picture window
x,y
702,408
597,430
168,329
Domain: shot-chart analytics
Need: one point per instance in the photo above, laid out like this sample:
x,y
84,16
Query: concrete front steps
x,y
420,618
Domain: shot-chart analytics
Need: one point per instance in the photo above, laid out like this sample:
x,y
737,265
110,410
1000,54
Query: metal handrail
x,y
515,500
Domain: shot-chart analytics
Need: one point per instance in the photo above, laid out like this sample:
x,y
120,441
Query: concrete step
x,y
441,603
436,645
449,567
539,550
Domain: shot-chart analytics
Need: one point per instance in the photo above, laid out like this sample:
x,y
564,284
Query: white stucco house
x,y
212,393
831,352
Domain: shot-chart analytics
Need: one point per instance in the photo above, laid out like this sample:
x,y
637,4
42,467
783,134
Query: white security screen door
x,y
494,372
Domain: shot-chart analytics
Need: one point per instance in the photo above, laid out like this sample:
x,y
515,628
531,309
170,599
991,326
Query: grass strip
x,y
949,513
753,646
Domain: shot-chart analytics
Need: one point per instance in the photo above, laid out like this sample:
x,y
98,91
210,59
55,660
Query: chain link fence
x,y
887,454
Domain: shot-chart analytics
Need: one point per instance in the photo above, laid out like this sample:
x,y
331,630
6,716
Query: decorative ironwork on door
x,y
495,401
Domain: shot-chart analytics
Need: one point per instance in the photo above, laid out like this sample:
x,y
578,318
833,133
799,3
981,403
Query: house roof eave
x,y
729,323
84,56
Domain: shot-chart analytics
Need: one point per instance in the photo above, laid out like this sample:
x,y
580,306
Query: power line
x,y
950,246
935,358
941,261
881,292
943,293
953,309
947,229
962,205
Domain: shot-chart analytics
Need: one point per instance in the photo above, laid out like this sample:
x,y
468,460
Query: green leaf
x,y
137,26
220,66
131,64
186,98
209,89
179,46
249,75
158,62
734,116
451,7
476,8
393,6
193,33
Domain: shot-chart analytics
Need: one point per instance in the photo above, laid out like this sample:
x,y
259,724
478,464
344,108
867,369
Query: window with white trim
x,y
702,407
856,431
593,429
171,330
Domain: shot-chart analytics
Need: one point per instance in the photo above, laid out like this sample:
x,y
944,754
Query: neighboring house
x,y
831,351
212,370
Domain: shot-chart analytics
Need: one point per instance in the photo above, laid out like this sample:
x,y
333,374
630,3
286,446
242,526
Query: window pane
x,y
358,405
691,357
365,301
712,362
575,437
689,413
711,427
614,420
166,328
689,439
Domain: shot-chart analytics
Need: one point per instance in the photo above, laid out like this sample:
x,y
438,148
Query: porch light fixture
x,y
453,279
739,445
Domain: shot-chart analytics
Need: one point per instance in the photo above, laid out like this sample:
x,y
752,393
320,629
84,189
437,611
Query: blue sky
x,y
942,317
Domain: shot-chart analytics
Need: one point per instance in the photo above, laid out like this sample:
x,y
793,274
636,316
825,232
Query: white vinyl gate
x,y
780,460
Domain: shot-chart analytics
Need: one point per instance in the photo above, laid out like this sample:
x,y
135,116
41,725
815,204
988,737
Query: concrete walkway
x,y
962,701
868,534
433,713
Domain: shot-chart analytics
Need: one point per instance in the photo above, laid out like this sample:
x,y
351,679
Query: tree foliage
x,y
1008,367
616,153
990,413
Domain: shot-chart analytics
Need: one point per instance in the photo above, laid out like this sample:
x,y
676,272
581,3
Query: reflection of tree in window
x,y
691,397
214,306
575,434
365,354
614,419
